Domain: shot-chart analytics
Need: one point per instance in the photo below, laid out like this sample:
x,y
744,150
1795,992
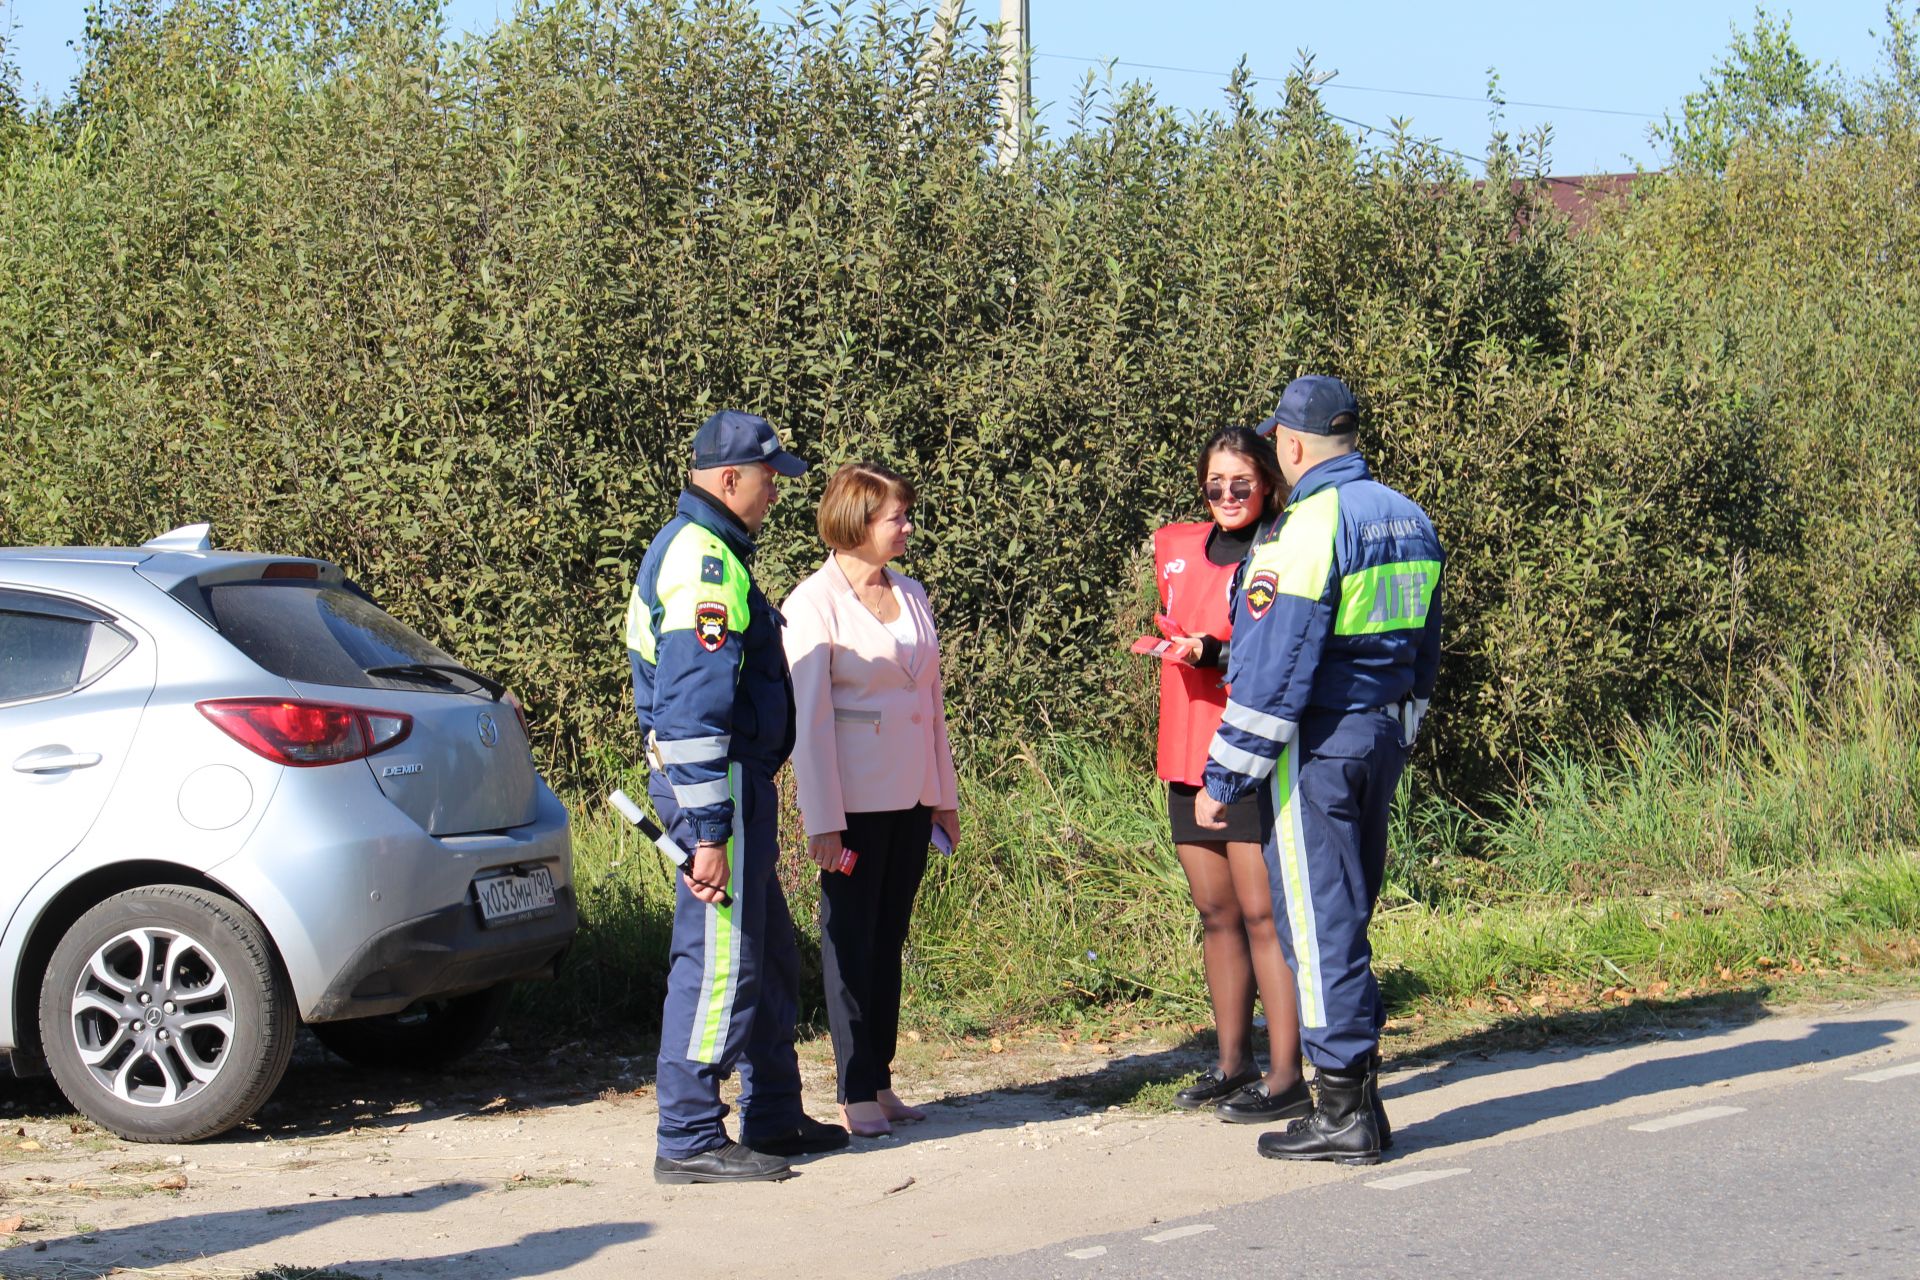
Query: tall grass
x,y
1067,895
1790,784
1693,851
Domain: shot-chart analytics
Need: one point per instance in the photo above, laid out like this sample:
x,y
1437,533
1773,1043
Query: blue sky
x,y
1600,73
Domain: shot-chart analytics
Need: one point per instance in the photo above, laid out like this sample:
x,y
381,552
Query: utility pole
x,y
1015,88
933,59
945,23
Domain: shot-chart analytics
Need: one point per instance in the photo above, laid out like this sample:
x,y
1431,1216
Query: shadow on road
x,y
190,1237
323,1095
1822,1041
1118,1080
1575,1033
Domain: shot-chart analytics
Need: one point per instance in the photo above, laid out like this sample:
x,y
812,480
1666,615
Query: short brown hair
x,y
855,494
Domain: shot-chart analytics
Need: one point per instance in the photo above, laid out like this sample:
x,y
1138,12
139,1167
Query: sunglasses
x,y
1241,488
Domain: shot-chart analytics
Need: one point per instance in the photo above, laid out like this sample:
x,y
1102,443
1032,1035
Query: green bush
x,y
449,314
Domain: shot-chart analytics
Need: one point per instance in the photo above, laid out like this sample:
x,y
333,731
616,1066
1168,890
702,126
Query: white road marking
x,y
1400,1180
1888,1073
1097,1251
1684,1117
1178,1233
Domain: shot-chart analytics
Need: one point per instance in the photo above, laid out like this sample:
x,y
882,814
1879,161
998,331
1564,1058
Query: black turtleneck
x,y
1230,546
1225,547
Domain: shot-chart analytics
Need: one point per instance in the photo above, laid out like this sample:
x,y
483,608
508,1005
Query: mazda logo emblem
x,y
489,730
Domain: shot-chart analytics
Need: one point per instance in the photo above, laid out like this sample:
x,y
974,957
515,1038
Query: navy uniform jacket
x,y
710,678
1338,611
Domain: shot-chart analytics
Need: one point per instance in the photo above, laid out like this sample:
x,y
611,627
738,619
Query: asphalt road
x,y
1818,1175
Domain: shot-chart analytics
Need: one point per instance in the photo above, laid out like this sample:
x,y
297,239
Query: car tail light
x,y
297,732
519,709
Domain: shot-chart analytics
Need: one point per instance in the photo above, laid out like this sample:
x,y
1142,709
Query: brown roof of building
x,y
1580,198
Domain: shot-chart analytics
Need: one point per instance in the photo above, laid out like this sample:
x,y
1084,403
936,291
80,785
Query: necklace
x,y
877,595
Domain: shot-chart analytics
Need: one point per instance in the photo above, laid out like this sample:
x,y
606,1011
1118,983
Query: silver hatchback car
x,y
236,795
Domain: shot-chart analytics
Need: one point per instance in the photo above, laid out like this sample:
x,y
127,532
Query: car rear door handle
x,y
55,760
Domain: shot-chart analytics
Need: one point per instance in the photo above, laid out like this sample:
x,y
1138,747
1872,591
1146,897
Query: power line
x,y
1358,88
1368,128
1505,102
1362,125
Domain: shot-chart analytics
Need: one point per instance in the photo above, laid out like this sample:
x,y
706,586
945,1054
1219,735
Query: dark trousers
x,y
1326,859
863,927
733,985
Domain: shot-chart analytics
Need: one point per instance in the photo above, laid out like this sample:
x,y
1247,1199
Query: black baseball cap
x,y
731,438
1316,404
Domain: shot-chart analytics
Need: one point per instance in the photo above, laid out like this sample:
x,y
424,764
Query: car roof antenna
x,y
188,537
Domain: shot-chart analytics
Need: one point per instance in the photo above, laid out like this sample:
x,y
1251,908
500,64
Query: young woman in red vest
x,y
1195,566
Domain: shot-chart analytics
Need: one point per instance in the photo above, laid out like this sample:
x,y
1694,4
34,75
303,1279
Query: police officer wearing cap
x,y
715,700
1336,642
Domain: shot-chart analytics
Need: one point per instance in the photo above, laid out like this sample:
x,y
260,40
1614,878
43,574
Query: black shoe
x,y
1210,1086
729,1162
1254,1105
1340,1127
1379,1111
809,1137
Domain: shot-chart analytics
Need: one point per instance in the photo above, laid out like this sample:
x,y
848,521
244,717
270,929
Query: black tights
x,y
1241,951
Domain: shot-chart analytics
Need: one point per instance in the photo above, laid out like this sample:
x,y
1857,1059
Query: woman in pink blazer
x,y
874,768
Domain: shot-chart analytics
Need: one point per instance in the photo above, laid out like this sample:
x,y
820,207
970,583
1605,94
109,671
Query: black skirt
x,y
1247,818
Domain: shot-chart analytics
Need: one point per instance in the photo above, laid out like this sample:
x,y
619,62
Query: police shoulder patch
x,y
710,624
713,569
1261,591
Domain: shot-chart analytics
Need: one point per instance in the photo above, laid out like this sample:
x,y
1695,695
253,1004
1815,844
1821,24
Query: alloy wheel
x,y
152,1016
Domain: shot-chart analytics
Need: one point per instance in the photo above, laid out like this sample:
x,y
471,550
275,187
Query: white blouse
x,y
902,626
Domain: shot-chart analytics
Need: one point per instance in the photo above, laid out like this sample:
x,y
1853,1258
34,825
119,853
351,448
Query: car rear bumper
x,y
446,952
370,913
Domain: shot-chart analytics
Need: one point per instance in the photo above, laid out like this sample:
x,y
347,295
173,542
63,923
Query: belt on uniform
x,y
1391,708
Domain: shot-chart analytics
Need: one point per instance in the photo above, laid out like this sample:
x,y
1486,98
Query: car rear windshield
x,y
319,634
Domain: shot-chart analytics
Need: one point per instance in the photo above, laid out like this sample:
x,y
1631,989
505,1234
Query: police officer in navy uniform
x,y
715,700
1336,640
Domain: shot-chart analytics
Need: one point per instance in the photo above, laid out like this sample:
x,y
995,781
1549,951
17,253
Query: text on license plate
x,y
515,897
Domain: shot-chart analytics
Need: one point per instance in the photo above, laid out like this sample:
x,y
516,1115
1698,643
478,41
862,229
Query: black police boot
x,y
1340,1128
1379,1109
1210,1086
729,1162
809,1137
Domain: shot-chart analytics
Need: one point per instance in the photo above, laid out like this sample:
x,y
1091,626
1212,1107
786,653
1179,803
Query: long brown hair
x,y
1251,446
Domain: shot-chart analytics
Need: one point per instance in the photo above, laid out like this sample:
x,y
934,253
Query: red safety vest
x,y
1195,593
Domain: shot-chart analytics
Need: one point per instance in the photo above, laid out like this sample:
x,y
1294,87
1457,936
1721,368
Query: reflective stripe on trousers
x,y
1295,886
1332,792
720,970
732,984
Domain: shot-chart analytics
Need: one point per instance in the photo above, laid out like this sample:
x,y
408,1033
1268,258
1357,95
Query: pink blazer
x,y
870,717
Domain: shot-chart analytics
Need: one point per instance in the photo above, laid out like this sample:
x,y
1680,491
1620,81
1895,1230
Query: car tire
x,y
425,1036
165,1016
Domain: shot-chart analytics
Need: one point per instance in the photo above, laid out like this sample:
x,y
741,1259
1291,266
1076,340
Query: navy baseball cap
x,y
731,438
1317,405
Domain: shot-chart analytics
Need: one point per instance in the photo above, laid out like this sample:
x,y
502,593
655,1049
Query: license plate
x,y
521,895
